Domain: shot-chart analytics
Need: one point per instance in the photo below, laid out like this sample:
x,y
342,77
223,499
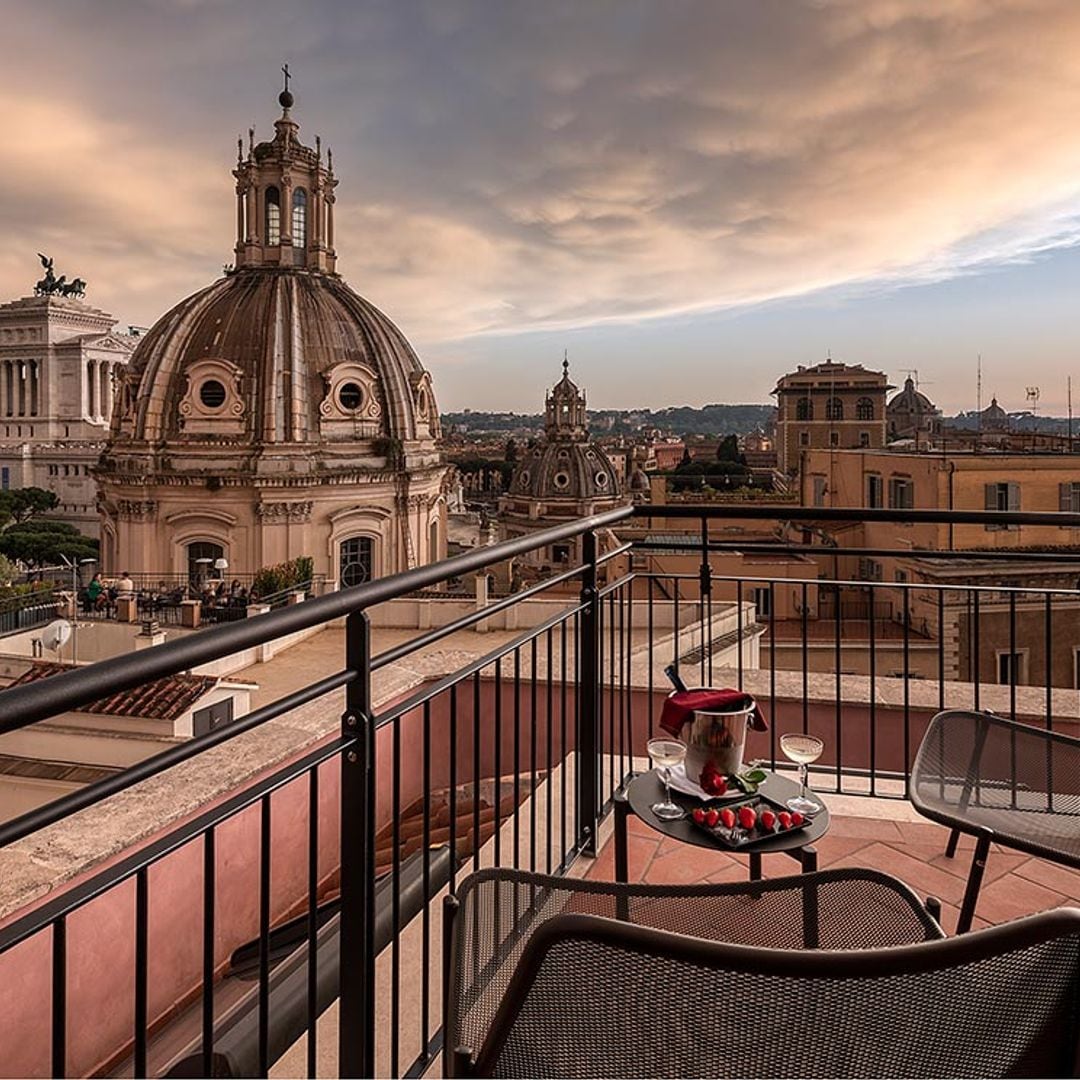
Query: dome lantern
x,y
285,200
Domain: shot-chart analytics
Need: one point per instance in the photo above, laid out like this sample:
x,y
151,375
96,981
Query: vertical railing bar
x,y
564,754
425,989
476,771
977,665
142,962
550,747
622,687
312,922
517,758
629,647
356,979
705,583
652,660
264,935
1047,635
1012,659
586,645
772,675
873,689
395,899
533,658
941,646
805,606
453,752
497,798
839,710
739,628
208,957
906,594
59,997
675,638
611,693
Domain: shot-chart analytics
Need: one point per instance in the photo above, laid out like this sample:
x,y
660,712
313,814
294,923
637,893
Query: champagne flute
x,y
802,749
665,754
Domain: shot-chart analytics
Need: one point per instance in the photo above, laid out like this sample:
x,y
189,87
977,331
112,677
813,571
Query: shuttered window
x,y
1004,496
1069,497
875,492
901,493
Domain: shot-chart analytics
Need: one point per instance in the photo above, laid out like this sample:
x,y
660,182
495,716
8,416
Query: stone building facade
x,y
910,414
276,413
829,406
59,361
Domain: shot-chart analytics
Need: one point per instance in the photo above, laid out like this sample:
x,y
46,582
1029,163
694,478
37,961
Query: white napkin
x,y
684,785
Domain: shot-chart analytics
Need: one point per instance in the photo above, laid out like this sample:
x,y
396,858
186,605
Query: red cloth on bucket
x,y
682,704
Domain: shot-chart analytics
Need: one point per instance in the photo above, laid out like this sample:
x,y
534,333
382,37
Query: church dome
x,y
274,355
567,465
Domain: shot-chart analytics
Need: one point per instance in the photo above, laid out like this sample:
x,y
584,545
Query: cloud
x,y
513,166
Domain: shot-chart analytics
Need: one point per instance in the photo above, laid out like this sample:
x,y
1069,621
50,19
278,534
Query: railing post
x,y
588,811
356,1031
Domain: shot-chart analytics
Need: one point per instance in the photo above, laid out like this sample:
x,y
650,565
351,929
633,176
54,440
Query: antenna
x,y
978,397
1033,399
1068,394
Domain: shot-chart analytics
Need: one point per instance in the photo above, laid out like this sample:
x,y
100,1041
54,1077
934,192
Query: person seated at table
x,y
96,594
125,587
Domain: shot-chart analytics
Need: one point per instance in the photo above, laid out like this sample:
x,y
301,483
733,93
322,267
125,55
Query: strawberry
x,y
727,816
768,820
747,817
712,816
716,785
785,819
796,819
699,816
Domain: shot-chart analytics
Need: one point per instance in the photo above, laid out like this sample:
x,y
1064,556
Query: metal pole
x,y
356,1030
589,689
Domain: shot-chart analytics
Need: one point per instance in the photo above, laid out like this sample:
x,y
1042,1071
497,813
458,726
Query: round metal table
x,y
647,788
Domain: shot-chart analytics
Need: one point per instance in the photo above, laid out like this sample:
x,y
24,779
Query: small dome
x,y
271,356
565,470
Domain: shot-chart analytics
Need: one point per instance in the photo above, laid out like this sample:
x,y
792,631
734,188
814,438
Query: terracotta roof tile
x,y
162,699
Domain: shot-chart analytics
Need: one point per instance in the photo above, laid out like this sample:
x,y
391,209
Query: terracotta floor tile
x,y
1012,896
869,828
639,850
687,865
830,848
1052,876
950,916
998,864
734,872
637,827
919,832
924,879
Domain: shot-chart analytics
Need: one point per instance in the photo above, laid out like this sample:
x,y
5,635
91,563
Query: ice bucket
x,y
718,737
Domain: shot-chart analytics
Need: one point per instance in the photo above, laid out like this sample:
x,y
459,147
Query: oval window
x,y
350,396
523,479
601,480
562,480
212,394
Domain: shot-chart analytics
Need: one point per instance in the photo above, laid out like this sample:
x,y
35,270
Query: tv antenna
x,y
1033,399
914,373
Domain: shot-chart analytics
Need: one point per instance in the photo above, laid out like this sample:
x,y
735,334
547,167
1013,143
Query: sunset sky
x,y
691,198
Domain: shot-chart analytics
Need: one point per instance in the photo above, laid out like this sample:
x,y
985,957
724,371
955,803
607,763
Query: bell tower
x,y
284,198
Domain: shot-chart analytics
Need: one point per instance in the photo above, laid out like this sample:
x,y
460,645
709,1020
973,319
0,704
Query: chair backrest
x,y
600,997
498,909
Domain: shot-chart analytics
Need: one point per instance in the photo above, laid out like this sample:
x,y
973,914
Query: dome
x,y
272,355
565,470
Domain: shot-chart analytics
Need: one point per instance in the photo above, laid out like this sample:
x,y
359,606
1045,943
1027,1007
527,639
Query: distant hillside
x,y
682,420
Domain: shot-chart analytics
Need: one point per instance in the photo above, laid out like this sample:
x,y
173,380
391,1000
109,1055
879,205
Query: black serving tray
x,y
738,839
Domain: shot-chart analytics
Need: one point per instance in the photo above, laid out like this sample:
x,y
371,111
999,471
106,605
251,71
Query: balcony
x,y
160,920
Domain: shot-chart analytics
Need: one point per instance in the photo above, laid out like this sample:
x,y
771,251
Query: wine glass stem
x,y
667,784
803,770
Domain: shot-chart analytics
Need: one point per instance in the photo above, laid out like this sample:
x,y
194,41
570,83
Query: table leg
x,y
755,865
622,861
808,858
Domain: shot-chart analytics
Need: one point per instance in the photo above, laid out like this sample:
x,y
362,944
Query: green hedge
x,y
286,575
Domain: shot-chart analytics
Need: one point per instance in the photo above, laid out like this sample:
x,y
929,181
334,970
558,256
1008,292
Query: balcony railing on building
x,y
190,950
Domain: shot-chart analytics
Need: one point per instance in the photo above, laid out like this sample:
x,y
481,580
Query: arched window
x,y
299,218
273,216
804,409
834,409
355,561
864,409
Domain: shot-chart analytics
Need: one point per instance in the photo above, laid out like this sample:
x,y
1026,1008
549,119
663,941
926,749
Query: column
x,y
252,217
239,215
105,396
35,388
90,389
5,397
330,223
21,370
316,222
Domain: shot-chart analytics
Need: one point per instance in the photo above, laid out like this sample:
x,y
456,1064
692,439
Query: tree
x,y
21,504
728,450
511,453
46,543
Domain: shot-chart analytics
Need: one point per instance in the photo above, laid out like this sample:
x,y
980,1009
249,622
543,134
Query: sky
x,y
690,198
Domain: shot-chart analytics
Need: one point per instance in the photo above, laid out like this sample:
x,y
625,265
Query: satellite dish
x,y
55,635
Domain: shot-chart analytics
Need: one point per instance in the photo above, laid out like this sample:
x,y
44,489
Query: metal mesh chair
x,y
496,913
598,997
999,781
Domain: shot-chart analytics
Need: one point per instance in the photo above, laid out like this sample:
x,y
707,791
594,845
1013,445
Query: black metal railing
x,y
512,759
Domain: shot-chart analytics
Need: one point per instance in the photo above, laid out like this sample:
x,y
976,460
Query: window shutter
x,y
991,496
1065,491
1014,496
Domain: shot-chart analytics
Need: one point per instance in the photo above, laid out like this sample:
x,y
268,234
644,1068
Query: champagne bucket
x,y
716,737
